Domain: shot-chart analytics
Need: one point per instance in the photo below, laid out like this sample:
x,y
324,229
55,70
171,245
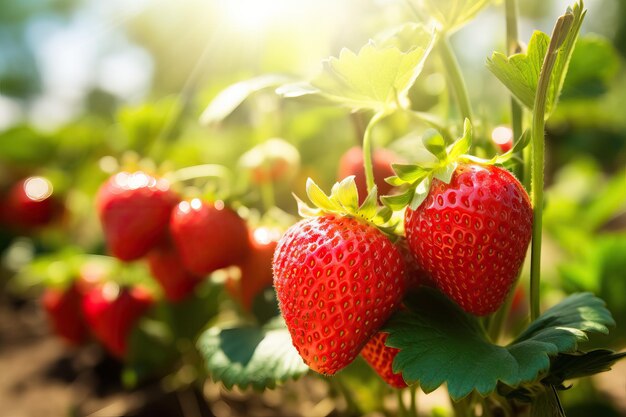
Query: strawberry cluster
x,y
182,241
344,270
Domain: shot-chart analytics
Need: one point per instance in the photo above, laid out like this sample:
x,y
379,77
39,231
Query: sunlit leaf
x,y
520,72
449,14
231,97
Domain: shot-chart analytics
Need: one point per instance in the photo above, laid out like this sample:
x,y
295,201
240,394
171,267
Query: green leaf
x,y
319,198
260,357
444,173
230,98
520,72
347,194
439,343
398,201
377,78
567,366
450,14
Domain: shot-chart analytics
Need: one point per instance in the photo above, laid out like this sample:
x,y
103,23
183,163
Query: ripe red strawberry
x,y
63,308
167,269
351,163
134,209
30,203
337,280
208,236
471,235
256,269
380,358
112,312
415,275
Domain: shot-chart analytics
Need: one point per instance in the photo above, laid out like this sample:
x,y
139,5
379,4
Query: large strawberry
x,y
337,276
380,358
63,308
167,269
256,268
112,312
351,163
134,209
468,225
209,236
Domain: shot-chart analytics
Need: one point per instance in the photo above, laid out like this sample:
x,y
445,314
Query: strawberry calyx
x,y
417,179
344,200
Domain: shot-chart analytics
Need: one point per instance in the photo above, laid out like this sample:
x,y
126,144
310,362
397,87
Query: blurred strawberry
x,y
167,269
30,203
271,161
111,313
502,138
351,163
63,308
256,269
134,209
208,236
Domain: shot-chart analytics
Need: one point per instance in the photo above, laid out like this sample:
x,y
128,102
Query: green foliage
x,y
439,343
377,78
260,357
449,14
24,145
520,72
593,66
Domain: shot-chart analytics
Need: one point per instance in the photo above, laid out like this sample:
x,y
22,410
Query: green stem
x,y
353,408
367,150
455,76
513,47
559,33
413,406
402,411
497,322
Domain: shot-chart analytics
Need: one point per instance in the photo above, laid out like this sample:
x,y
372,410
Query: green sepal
x,y
435,143
344,200
408,173
399,201
463,144
421,192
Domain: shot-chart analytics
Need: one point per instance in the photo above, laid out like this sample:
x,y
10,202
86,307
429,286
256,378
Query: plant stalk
x,y
455,77
367,150
513,47
559,33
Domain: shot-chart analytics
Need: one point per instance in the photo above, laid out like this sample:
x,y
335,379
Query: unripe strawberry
x,y
471,235
134,210
380,358
208,236
338,279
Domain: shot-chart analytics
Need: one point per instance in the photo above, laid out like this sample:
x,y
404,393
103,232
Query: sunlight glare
x,y
256,15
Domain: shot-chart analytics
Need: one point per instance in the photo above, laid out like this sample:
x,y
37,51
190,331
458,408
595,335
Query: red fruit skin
x,y
351,163
415,275
24,210
471,236
256,269
380,358
63,308
208,236
337,280
167,269
112,318
134,210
